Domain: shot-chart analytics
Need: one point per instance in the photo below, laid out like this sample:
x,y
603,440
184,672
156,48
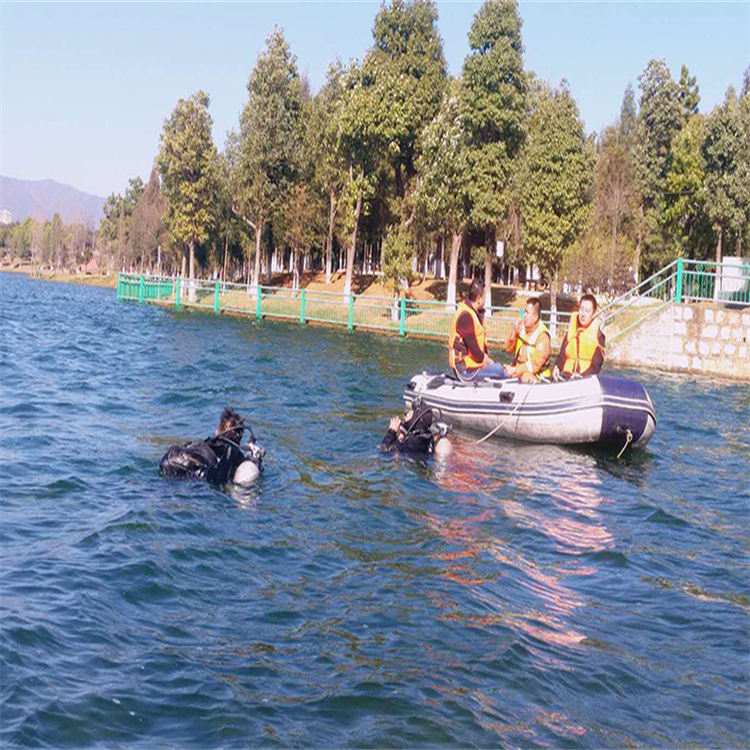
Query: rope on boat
x,y
628,441
494,430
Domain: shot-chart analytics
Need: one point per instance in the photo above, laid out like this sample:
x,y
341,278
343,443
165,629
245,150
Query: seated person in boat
x,y
467,341
214,459
529,342
416,434
582,351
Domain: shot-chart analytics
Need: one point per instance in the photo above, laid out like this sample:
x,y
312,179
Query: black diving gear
x,y
214,459
416,435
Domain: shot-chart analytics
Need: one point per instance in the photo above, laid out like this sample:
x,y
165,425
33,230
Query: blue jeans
x,y
492,370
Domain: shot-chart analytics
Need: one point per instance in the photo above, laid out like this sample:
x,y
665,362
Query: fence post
x,y
258,296
177,294
350,325
402,318
141,288
119,278
678,288
302,308
216,298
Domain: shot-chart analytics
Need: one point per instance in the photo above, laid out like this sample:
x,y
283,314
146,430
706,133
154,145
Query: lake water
x,y
512,596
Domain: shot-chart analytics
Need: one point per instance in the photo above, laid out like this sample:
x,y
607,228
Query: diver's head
x,y
231,425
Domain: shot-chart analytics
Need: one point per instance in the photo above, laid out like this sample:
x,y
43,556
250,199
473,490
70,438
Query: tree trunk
x,y
453,273
224,266
717,277
295,272
329,246
488,275
441,257
191,296
256,264
352,248
553,306
183,272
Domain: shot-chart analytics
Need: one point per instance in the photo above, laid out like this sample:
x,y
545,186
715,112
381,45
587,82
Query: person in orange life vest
x,y
467,342
530,344
582,350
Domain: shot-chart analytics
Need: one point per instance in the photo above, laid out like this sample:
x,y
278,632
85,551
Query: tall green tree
x,y
659,120
685,216
187,165
493,101
269,131
323,143
558,182
404,74
444,196
628,123
616,194
689,94
727,171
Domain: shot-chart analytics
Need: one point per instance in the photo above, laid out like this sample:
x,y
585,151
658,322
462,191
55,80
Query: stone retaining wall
x,y
690,338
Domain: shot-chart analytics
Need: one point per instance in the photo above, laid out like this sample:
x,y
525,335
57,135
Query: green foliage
x,y
628,117
689,94
493,107
685,218
269,127
398,251
558,180
659,120
404,77
726,167
187,165
442,199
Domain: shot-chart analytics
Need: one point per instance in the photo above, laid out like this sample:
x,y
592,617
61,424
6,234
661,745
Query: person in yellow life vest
x,y
582,350
529,343
467,341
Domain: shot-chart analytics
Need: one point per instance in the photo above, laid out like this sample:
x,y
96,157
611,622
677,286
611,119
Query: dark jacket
x,y
417,437
213,459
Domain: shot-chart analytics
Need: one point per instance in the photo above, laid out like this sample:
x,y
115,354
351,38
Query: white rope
x,y
628,441
518,406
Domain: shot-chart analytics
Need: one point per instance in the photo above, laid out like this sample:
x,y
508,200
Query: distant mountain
x,y
41,199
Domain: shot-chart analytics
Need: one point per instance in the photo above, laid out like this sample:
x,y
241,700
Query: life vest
x,y
582,345
525,348
458,352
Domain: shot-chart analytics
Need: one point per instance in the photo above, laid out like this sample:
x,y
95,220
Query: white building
x,y
6,217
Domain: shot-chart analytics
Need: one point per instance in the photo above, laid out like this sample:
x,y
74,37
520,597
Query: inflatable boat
x,y
605,411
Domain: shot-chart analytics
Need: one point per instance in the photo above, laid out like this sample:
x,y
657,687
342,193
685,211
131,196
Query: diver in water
x,y
218,459
416,434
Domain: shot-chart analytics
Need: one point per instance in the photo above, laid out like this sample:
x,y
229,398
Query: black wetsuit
x,y
213,459
417,436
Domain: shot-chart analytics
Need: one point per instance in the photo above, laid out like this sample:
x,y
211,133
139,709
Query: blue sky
x,y
85,87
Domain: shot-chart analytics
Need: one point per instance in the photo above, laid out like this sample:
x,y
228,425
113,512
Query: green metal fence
x,y
402,317
681,281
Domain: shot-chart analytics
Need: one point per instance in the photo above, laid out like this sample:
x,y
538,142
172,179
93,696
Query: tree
x,y
727,172
405,77
615,191
689,94
443,197
658,122
558,179
324,146
147,221
187,165
493,99
269,138
685,216
628,117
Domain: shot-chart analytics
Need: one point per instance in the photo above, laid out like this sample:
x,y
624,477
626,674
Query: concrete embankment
x,y
698,338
